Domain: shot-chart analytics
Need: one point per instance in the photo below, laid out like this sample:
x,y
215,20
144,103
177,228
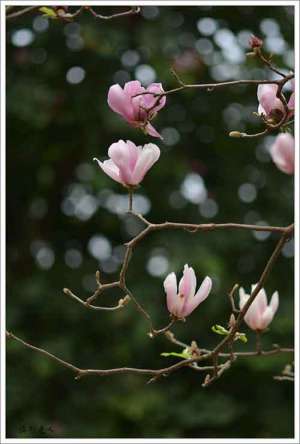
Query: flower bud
x,y
235,134
231,321
98,278
255,42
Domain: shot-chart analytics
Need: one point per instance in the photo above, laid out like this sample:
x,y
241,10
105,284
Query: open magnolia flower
x,y
270,105
182,301
136,108
283,153
259,314
129,163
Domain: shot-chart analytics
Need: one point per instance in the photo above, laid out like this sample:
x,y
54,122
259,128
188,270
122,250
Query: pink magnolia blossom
x,y
182,301
129,163
259,314
137,110
283,153
270,105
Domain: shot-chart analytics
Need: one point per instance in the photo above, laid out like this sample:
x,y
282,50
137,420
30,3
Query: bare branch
x,y
132,11
21,12
140,371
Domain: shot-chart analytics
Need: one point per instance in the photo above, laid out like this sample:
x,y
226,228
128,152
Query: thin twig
x,y
21,12
132,11
121,303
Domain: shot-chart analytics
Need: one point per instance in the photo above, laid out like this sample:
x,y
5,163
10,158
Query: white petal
x,y
110,169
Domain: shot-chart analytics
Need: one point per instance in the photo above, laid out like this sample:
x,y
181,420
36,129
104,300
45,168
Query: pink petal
x,y
253,315
243,297
151,99
110,169
148,156
170,286
122,156
266,95
152,131
283,153
131,90
274,303
266,319
261,300
261,110
187,284
134,152
120,103
199,297
291,102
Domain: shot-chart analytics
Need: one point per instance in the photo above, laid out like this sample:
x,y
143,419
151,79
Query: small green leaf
x,y
183,355
241,337
48,12
220,330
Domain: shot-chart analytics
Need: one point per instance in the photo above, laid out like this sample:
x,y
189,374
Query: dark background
x,y
65,219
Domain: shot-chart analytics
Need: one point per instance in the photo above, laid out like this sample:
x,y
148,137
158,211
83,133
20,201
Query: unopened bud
x,y
206,380
255,42
231,320
98,277
235,134
124,301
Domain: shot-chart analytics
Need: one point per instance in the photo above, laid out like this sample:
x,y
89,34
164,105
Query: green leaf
x,y
184,354
48,12
241,337
220,330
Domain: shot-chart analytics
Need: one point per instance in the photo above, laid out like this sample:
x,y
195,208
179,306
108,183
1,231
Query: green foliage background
x,y
54,129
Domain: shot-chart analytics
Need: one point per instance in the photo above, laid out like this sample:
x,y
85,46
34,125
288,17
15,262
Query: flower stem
x,y
258,342
130,196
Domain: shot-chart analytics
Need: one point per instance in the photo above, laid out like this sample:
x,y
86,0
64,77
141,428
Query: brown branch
x,y
132,11
70,16
268,63
231,298
141,371
212,86
121,303
21,12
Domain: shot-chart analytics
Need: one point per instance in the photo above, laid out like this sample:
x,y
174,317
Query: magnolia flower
x,y
129,163
283,153
270,105
259,314
137,110
183,301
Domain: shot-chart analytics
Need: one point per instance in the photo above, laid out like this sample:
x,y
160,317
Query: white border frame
x,y
4,3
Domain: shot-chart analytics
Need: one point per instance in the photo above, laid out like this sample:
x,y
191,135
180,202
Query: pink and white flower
x,y
259,314
136,108
183,300
129,163
283,153
270,105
